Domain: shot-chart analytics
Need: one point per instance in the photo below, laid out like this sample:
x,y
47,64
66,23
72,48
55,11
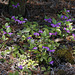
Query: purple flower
x,y
20,67
25,19
52,50
62,16
68,31
73,36
50,34
13,17
35,48
29,38
64,28
68,20
48,20
36,34
15,6
51,62
4,32
59,23
10,34
18,4
40,31
65,17
45,47
23,22
55,33
53,25
67,10
7,26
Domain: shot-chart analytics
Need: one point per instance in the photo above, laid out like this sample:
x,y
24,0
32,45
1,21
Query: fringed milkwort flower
x,y
29,38
7,26
40,31
45,47
25,19
51,62
15,6
62,16
48,20
67,10
65,17
36,34
56,25
4,32
69,20
73,36
35,48
68,31
20,67
13,17
50,34
51,50
53,33
10,34
64,28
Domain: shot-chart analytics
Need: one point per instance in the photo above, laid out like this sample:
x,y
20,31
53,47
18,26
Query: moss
x,y
66,55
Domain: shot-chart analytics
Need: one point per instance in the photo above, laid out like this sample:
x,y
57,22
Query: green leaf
x,y
11,74
21,18
44,34
6,24
41,59
54,21
40,46
43,68
7,19
49,59
3,37
8,29
16,73
26,30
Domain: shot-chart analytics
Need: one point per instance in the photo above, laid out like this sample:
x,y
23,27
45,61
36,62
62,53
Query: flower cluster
x,y
48,20
53,33
48,49
19,21
15,6
56,25
68,31
6,32
65,17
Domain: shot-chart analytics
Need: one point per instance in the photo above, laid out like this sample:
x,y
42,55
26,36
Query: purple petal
x,y
35,48
51,62
4,32
40,31
29,38
10,33
7,26
67,10
64,28
68,31
20,67
52,50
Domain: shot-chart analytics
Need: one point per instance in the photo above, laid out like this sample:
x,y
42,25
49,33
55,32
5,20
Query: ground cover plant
x,y
33,46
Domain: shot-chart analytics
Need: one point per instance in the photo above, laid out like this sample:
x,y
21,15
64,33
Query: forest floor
x,y
37,13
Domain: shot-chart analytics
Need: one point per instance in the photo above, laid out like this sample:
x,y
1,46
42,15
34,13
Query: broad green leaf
x,y
54,21
49,59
